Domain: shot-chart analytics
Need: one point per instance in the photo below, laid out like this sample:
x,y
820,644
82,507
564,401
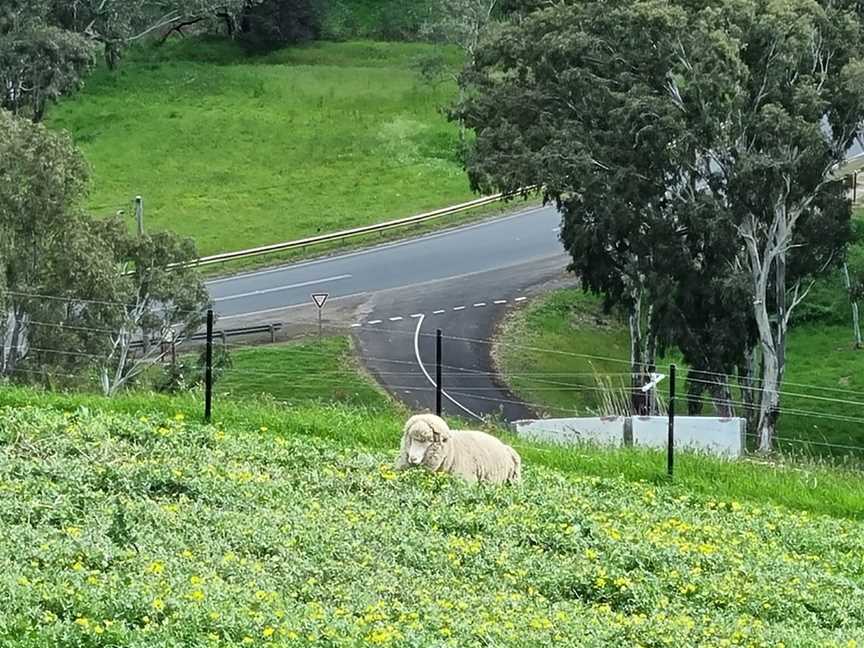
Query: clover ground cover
x,y
151,529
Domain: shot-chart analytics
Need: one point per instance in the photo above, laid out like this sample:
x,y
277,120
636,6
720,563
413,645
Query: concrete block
x,y
607,431
715,436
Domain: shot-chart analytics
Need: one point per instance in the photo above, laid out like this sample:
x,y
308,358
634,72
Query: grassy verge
x,y
238,151
820,358
150,529
302,372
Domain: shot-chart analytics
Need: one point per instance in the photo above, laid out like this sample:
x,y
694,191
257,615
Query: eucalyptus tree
x,y
77,292
632,114
39,62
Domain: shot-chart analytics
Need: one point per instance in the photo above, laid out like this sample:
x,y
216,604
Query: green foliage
x,y
271,24
265,142
182,534
687,146
376,19
77,290
38,65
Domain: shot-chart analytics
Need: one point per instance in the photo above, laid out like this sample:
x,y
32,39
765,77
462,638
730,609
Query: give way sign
x,y
320,299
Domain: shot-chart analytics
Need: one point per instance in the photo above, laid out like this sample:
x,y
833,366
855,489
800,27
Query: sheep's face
x,y
417,450
424,435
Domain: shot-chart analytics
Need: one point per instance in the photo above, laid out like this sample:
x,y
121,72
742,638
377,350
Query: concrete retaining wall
x,y
607,431
715,436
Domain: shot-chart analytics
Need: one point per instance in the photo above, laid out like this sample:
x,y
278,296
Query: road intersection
x,y
393,297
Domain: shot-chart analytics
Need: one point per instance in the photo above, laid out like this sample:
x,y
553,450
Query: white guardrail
x,y
358,231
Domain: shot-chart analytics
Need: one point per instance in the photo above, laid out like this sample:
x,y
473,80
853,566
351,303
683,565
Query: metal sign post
x,y
320,299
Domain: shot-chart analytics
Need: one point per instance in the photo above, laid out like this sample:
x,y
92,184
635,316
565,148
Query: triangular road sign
x,y
320,299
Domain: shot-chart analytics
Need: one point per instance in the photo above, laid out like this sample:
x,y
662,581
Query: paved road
x,y
500,243
393,297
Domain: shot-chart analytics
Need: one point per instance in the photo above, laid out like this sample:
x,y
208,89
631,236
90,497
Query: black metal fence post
x,y
670,443
438,374
208,369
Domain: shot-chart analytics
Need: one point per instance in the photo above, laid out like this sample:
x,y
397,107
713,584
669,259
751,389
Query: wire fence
x,y
314,370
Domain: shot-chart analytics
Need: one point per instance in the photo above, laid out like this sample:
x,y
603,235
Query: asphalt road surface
x,y
393,297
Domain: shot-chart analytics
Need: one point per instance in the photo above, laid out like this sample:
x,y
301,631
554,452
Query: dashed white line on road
x,y
440,311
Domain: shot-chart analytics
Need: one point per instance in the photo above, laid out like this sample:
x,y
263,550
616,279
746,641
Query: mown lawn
x,y
238,151
147,528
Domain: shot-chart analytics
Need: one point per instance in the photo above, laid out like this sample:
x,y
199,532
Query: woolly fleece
x,y
472,455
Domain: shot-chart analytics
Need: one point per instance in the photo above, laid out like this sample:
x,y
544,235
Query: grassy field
x,y
127,523
821,358
302,372
237,151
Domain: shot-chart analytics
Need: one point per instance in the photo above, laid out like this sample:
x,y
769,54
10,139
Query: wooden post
x,y
139,214
208,369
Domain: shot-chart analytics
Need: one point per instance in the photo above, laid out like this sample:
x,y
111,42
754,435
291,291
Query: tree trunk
x,y
769,409
16,350
230,26
748,380
721,393
112,54
772,338
637,361
695,388
856,321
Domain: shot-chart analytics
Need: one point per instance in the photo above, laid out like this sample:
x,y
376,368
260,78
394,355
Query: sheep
x,y
475,456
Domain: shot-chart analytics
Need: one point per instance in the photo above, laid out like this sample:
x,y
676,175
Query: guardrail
x,y
357,231
272,329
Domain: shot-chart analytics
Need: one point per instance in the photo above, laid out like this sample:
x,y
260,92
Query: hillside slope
x,y
154,530
238,151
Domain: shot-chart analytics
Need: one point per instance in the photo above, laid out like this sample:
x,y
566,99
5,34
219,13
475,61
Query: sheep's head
x,y
424,436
